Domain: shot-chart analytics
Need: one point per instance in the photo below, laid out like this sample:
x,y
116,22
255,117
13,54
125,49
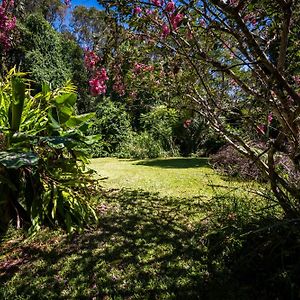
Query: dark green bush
x,y
112,122
44,56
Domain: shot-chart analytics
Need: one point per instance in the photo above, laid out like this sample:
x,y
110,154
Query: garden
x,y
149,149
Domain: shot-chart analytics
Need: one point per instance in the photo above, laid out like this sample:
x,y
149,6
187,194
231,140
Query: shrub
x,y
141,145
230,162
160,123
113,124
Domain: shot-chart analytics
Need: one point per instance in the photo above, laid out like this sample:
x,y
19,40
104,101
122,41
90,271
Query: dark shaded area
x,y
147,248
175,163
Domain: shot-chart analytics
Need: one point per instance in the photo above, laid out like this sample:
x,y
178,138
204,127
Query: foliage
x,y
52,10
140,145
160,123
113,124
43,179
73,59
43,52
241,64
89,27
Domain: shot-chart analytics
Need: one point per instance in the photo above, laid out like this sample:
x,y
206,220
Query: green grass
x,y
176,177
151,246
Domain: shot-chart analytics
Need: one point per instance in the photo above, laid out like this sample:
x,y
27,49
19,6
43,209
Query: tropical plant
x,y
43,175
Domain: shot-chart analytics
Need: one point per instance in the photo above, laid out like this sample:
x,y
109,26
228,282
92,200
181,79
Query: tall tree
x,y
243,59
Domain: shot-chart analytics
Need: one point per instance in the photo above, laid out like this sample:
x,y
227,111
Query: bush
x,y
160,123
230,162
112,122
141,145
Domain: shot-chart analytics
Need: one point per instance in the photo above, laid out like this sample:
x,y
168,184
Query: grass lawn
x,y
185,242
176,177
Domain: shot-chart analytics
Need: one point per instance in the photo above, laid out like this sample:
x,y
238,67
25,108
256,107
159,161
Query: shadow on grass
x,y
147,247
175,163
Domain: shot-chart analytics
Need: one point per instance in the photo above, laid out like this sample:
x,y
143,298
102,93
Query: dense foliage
x,y
43,178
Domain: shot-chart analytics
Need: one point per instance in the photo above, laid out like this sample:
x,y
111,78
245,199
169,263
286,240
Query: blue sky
x,y
87,3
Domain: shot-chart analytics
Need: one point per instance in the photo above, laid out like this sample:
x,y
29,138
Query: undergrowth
x,y
153,247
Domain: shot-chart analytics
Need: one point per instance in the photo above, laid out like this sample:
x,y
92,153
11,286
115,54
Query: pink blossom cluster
x,y
187,123
156,2
170,7
149,12
137,10
175,20
165,30
118,86
98,83
91,59
99,76
139,68
7,24
67,3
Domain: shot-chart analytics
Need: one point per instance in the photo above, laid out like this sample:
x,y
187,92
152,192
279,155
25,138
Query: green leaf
x,y
75,121
69,99
13,160
17,105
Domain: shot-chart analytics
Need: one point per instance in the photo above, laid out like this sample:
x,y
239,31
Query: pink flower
x,y
102,74
97,84
175,20
138,68
250,18
156,2
149,12
91,59
202,23
7,24
137,10
119,88
170,6
97,87
165,30
11,24
297,79
189,34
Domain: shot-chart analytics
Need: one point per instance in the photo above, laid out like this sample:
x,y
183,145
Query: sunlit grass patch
x,y
176,177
